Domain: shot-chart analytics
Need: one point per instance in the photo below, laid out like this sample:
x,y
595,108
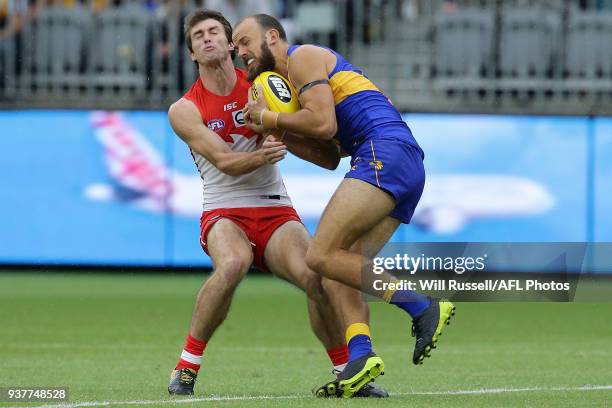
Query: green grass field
x,y
113,340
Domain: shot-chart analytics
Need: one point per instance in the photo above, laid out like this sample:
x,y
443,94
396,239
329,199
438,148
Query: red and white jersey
x,y
223,115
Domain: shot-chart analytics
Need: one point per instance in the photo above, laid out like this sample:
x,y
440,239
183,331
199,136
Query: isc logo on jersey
x,y
277,91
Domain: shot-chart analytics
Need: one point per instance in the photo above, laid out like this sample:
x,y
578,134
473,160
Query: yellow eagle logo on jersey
x,y
378,165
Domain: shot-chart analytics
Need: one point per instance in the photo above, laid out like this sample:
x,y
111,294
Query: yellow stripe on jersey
x,y
347,83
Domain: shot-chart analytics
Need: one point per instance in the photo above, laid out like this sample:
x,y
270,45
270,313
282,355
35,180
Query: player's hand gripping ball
x,y
278,92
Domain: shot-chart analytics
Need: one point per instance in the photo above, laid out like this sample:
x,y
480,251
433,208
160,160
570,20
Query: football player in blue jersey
x,y
342,107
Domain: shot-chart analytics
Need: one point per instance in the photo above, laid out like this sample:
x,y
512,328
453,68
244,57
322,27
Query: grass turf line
x,y
116,338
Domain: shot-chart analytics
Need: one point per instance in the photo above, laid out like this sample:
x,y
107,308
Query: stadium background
x,y
510,101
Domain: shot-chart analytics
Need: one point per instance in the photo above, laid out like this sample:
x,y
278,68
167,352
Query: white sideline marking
x,y
508,390
289,397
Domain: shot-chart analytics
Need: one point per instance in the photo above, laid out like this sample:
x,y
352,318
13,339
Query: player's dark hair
x,y
268,22
200,15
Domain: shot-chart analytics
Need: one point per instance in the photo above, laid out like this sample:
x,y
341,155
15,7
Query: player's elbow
x,y
225,166
326,130
228,169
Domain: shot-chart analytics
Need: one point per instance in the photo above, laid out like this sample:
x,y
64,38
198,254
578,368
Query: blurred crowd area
x,y
510,56
14,13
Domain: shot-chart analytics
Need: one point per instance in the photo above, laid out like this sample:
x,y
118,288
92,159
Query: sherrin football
x,y
277,91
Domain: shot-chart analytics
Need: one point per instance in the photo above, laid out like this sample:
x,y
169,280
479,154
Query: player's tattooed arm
x,y
187,124
317,117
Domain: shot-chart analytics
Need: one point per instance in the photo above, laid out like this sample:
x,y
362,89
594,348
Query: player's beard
x,y
266,62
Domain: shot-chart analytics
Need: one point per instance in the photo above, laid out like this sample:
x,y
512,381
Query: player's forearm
x,y
239,163
323,153
310,124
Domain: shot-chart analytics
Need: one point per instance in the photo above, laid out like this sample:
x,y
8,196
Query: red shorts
x,y
258,223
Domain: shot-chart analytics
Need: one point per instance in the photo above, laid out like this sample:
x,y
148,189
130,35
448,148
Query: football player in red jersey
x,y
248,218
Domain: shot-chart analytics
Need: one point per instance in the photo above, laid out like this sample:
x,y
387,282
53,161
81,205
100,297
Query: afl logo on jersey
x,y
216,125
280,88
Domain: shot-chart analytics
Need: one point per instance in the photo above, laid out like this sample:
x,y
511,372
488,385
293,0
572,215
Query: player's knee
x,y
311,283
315,259
233,269
320,261
330,286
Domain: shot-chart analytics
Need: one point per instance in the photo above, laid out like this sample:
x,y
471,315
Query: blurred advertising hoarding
x,y
119,188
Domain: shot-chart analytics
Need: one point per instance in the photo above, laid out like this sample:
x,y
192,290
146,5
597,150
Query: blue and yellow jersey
x,y
363,112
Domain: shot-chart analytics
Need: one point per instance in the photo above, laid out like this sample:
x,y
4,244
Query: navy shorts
x,y
395,166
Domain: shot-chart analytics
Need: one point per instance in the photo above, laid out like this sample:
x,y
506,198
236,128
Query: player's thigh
x,y
229,249
355,208
285,253
375,239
